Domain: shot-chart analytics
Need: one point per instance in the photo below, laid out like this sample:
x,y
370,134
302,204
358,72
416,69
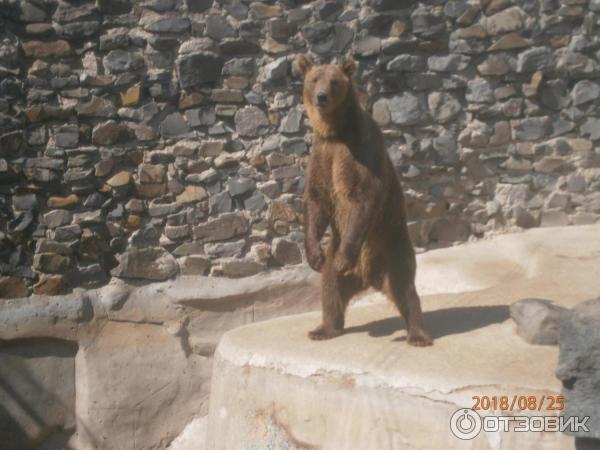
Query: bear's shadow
x,y
439,323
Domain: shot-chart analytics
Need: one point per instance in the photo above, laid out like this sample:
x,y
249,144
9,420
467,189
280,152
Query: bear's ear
x,y
348,66
302,65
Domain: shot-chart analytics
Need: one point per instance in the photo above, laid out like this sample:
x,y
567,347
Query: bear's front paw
x,y
315,260
342,263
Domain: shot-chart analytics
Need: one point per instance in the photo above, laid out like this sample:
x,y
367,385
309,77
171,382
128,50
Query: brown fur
x,y
352,186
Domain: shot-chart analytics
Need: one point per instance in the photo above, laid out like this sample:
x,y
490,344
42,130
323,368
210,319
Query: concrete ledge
x,y
274,388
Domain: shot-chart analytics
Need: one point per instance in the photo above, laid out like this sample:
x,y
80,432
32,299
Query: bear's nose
x,y
321,98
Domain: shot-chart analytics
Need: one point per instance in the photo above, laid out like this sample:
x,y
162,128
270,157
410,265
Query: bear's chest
x,y
338,171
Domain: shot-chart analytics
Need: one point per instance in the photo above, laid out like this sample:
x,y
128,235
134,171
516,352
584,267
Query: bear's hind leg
x,y
404,295
336,292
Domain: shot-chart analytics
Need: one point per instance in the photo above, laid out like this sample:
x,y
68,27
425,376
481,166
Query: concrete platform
x,y
274,388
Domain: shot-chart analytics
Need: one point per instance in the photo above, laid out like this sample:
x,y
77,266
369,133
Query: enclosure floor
x,y
275,388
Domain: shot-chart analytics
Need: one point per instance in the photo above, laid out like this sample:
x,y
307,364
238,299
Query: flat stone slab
x,y
274,388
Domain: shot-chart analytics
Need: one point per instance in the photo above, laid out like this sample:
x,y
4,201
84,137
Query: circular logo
x,y
465,424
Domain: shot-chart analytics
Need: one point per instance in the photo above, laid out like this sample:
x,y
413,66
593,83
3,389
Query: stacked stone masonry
x,y
146,139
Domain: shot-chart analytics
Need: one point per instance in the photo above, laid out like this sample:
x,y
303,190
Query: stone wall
x,y
146,139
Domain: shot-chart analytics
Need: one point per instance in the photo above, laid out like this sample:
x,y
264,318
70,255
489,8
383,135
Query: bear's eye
x,y
334,83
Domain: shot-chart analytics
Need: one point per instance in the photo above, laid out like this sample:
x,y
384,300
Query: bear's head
x,y
326,86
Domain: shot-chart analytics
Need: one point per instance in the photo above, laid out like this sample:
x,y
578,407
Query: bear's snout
x,y
322,98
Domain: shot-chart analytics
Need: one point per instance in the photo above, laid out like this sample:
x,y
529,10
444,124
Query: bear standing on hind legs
x,y
352,186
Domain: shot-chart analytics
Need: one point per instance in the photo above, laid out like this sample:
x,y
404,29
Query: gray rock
x,y
578,65
295,145
450,63
239,67
368,46
407,109
479,91
198,6
585,91
220,203
177,232
174,125
286,172
25,202
169,25
496,65
88,217
96,107
532,128
555,94
407,63
118,60
161,5
57,218
251,121
523,218
114,38
558,199
271,189
554,218
275,70
466,46
110,133
381,112
31,13
291,122
455,8
79,30
443,106
66,13
239,268
316,32
449,229
20,223
158,208
67,136
225,249
477,134
147,236
591,128
279,29
536,58
286,252
238,47
198,68
537,320
256,202
579,365
13,287
446,147
67,233
51,263
510,19
146,263
240,186
218,28
325,10
509,195
193,265
222,228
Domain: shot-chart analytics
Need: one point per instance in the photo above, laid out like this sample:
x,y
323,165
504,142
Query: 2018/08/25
x,y
518,402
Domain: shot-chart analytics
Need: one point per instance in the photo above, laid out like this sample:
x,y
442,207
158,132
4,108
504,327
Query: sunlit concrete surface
x,y
274,388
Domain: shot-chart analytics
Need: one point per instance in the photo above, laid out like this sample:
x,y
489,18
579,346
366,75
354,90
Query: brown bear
x,y
352,186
